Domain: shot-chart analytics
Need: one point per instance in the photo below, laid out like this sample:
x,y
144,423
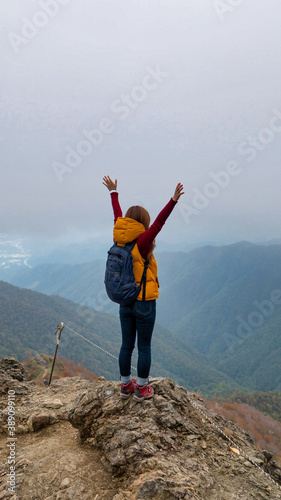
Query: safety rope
x,y
95,345
196,408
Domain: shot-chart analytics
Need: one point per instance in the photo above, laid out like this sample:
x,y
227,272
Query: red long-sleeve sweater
x,y
146,239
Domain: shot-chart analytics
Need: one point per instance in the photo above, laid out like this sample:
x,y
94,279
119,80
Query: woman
x,y
139,317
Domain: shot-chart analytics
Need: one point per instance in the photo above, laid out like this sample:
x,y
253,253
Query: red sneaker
x,y
144,392
128,389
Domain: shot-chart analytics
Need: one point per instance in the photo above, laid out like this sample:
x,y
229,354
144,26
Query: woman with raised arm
x,y
138,318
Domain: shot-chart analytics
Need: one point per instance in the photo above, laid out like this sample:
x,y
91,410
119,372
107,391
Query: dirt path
x,y
53,465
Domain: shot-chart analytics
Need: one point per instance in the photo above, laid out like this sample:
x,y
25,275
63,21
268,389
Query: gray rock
x,y
13,368
54,404
268,455
163,448
11,374
161,488
258,461
38,421
65,483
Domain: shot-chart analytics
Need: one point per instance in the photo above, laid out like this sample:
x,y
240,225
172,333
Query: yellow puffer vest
x,y
125,231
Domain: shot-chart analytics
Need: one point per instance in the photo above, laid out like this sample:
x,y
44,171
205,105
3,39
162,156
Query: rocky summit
x,y
79,439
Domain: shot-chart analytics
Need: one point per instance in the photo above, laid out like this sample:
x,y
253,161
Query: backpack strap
x,y
130,247
143,279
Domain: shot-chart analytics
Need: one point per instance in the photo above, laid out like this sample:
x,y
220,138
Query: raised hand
x,y
178,192
109,183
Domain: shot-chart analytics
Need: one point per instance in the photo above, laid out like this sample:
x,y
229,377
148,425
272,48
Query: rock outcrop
x,y
11,372
166,447
79,439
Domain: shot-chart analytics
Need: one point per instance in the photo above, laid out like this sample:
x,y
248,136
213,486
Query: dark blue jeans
x,y
137,319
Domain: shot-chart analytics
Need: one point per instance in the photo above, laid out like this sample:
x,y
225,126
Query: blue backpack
x,y
119,279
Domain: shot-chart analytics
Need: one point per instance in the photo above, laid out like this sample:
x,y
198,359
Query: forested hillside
x,y
224,301
82,283
256,359
268,403
28,321
232,302
212,291
264,429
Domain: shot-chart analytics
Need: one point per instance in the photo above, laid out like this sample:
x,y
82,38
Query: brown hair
x,y
141,215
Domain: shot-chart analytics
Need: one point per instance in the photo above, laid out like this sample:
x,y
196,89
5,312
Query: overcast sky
x,y
151,93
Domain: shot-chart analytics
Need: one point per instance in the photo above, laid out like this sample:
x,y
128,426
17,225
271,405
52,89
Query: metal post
x,y
58,331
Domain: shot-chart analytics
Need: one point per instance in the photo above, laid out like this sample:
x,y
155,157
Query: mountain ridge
x,y
29,321
216,299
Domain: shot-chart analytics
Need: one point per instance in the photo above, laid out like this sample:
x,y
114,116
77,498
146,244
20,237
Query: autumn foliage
x,y
264,429
38,368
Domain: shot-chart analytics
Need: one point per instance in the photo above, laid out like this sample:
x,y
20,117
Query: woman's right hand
x,y
109,183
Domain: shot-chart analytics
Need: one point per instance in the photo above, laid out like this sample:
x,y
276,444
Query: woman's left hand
x,y
178,192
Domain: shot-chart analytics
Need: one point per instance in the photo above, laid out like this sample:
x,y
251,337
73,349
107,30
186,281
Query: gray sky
x,y
172,90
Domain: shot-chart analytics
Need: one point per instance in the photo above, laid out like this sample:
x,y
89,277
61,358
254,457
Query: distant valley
x,y
224,302
28,322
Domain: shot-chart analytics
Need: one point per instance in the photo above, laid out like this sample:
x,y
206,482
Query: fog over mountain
x,y
151,93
